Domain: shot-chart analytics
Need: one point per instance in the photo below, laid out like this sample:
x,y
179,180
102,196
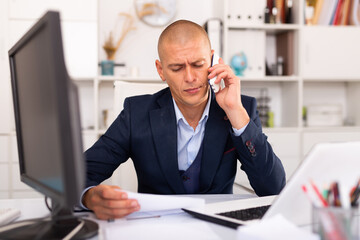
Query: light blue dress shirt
x,y
188,139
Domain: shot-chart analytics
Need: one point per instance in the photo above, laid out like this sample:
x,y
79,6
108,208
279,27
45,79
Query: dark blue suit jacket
x,y
146,131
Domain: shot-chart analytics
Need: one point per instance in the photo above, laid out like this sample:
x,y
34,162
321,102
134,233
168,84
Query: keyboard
x,y
7,215
247,214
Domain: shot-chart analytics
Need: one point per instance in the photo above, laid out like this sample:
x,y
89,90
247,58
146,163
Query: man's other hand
x,y
109,202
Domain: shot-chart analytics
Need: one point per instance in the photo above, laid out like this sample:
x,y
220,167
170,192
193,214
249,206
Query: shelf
x,y
281,130
11,133
129,79
270,79
330,79
88,131
89,79
157,80
335,129
332,27
101,131
269,28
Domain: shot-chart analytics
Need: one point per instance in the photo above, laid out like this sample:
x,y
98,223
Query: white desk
x,y
181,226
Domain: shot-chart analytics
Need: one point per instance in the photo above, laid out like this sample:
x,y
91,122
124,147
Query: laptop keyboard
x,y
247,214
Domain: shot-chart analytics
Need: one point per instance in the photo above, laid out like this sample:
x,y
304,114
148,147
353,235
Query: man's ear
x,y
160,70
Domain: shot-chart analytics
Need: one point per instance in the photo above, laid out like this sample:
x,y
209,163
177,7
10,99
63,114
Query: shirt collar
x,y
180,116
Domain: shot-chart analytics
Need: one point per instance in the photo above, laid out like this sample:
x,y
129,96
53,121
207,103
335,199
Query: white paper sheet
x,y
152,205
161,229
275,228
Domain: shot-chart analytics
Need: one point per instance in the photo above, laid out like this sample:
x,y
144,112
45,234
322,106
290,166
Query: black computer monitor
x,y
48,129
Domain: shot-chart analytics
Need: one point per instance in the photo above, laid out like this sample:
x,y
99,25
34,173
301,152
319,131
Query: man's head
x,y
185,56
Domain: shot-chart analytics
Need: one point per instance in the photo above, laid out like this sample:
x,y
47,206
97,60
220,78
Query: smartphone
x,y
221,85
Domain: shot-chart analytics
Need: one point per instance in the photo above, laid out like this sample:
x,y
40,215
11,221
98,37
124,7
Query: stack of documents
x,y
152,205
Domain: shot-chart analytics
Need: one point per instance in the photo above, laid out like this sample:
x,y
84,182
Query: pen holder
x,y
336,223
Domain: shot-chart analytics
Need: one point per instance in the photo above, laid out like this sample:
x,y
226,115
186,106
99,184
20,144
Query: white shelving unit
x,y
100,96
324,73
285,92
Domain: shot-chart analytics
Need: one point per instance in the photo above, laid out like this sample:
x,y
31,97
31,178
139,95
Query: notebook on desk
x,y
325,163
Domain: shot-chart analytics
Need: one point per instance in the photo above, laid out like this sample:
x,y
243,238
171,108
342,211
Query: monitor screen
x,y
47,118
38,112
50,154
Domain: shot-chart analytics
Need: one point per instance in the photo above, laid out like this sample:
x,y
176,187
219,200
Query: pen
x,y
334,197
336,194
313,199
318,194
325,194
354,195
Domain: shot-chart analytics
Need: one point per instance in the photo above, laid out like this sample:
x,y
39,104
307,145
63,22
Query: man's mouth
x,y
193,90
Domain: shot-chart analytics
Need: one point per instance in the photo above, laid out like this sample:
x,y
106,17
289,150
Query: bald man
x,y
184,139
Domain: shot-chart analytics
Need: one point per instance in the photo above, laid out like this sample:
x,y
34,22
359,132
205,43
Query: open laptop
x,y
326,162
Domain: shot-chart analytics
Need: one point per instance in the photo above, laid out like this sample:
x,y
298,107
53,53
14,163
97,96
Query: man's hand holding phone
x,y
216,86
229,96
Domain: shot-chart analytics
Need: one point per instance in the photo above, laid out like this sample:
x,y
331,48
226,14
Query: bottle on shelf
x,y
280,66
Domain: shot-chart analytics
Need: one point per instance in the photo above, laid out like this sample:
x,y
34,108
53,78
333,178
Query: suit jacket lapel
x,y
163,127
216,134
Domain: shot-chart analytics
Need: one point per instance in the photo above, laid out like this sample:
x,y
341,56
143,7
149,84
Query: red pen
x,y
324,203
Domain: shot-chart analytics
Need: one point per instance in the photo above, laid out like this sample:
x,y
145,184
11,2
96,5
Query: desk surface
x,y
179,226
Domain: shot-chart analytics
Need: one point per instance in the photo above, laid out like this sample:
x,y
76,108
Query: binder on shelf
x,y
328,7
285,49
288,11
269,9
318,7
355,15
334,12
346,13
214,29
309,11
337,12
244,12
280,18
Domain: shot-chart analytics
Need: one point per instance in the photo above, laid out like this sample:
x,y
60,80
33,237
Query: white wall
x,y
4,71
139,48
79,28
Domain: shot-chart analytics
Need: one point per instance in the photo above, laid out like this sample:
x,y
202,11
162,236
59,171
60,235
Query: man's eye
x,y
176,69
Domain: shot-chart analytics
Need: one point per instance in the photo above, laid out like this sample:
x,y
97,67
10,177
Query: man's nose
x,y
190,76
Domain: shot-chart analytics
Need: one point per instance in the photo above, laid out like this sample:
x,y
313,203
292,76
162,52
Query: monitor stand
x,y
62,225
